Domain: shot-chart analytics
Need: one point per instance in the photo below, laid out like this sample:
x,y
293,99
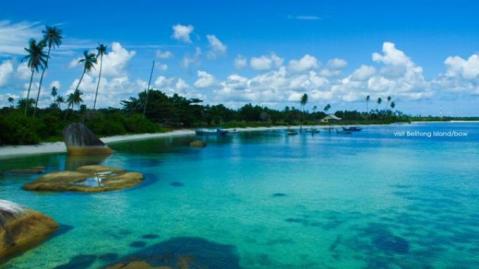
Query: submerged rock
x,y
21,229
90,178
80,141
181,253
26,171
198,144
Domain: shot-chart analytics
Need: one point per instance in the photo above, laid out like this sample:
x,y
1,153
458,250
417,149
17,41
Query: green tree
x,y
52,37
379,101
11,101
88,61
36,59
367,103
101,50
303,102
74,98
327,108
59,101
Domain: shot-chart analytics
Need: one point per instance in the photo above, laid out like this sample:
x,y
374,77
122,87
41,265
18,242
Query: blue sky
x,y
422,53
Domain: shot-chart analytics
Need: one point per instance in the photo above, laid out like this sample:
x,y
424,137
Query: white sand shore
x,y
59,147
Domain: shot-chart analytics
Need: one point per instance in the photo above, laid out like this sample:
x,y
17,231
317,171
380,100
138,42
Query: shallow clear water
x,y
268,200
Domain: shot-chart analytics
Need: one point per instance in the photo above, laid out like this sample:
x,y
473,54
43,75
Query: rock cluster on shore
x,y
90,178
21,229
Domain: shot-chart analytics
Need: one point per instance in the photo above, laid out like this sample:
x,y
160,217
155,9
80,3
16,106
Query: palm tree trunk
x,y
81,78
41,81
99,79
148,89
28,92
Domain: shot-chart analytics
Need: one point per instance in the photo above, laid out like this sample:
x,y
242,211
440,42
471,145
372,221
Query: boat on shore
x,y
209,131
352,129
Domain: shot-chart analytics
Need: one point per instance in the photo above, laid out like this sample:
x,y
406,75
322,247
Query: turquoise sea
x,y
380,198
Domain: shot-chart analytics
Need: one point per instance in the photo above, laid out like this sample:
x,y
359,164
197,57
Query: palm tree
x,y
59,100
303,102
148,89
36,59
380,100
367,103
11,100
74,98
326,108
393,105
101,50
52,37
54,92
388,100
89,61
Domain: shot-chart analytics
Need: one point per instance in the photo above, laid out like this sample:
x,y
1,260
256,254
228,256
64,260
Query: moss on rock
x,y
90,178
21,229
198,144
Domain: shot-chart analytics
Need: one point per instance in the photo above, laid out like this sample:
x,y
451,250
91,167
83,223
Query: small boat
x,y
292,132
312,131
343,131
206,131
351,129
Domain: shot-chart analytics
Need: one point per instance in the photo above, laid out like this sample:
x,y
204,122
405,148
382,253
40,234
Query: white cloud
x,y
115,61
337,63
163,67
163,54
23,72
465,68
171,85
240,62
266,62
216,46
307,62
204,79
14,36
194,59
182,32
55,84
6,70
305,17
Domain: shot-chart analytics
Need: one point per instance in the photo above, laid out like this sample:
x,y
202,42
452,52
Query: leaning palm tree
x,y
303,102
89,61
101,50
52,37
36,59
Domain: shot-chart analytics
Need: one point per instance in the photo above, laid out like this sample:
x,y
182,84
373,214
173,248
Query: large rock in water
x,y
89,178
21,229
81,141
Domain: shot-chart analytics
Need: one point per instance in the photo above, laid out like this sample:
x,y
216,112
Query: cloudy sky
x,y
422,53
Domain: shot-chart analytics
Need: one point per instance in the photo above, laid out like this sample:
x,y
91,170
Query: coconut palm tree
x,y
59,100
74,98
52,37
367,103
36,59
101,50
303,102
11,100
326,108
379,101
393,105
145,105
88,61
388,100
